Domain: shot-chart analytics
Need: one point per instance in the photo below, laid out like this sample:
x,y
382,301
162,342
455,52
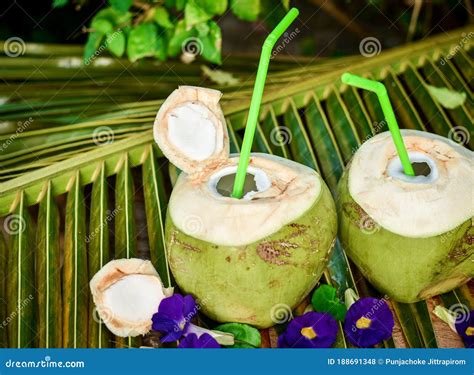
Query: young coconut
x,y
242,258
126,293
412,237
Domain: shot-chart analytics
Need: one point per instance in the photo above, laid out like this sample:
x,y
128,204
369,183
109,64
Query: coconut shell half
x,y
127,292
190,129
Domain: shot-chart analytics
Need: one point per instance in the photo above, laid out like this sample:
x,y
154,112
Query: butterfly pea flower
x,y
465,328
310,330
204,341
173,321
174,316
368,322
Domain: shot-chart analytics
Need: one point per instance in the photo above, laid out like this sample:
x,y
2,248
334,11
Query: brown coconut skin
x,y
258,282
406,269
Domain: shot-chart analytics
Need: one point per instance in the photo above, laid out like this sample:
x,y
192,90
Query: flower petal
x,y
193,341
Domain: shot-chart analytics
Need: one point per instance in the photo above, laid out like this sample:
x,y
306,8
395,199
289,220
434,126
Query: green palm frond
x,y
307,115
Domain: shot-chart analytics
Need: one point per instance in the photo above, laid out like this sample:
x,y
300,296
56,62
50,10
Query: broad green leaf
x,y
447,98
194,14
115,42
162,18
220,77
179,38
93,42
21,289
212,44
60,3
99,252
155,207
178,4
102,25
247,10
202,29
115,17
324,299
214,7
161,50
48,273
142,41
245,336
75,279
121,5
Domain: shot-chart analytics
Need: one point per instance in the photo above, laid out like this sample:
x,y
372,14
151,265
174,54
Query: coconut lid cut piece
x,y
127,292
190,129
439,198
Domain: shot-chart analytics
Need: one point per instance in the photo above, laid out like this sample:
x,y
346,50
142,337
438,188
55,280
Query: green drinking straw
x,y
381,91
254,110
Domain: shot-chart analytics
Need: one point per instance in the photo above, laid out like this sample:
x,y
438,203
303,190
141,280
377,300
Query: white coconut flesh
x,y
431,203
285,190
190,129
127,292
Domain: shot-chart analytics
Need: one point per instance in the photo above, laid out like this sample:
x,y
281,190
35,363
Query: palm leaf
x,y
327,123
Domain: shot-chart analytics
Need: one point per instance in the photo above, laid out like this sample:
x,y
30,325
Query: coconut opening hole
x,y
222,182
425,168
421,168
225,185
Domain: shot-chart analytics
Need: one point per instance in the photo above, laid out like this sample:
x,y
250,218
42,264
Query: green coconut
x,y
249,260
411,237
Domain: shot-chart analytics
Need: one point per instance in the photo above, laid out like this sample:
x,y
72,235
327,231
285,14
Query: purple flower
x,y
173,317
311,330
465,328
368,322
192,340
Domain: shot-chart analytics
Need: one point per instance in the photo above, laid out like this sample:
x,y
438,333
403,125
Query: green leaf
x,y
286,4
178,4
194,14
75,278
59,3
245,336
162,18
247,10
92,44
115,42
214,7
202,29
447,98
142,41
115,17
99,253
324,299
121,5
180,35
212,44
219,76
48,273
102,25
161,50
